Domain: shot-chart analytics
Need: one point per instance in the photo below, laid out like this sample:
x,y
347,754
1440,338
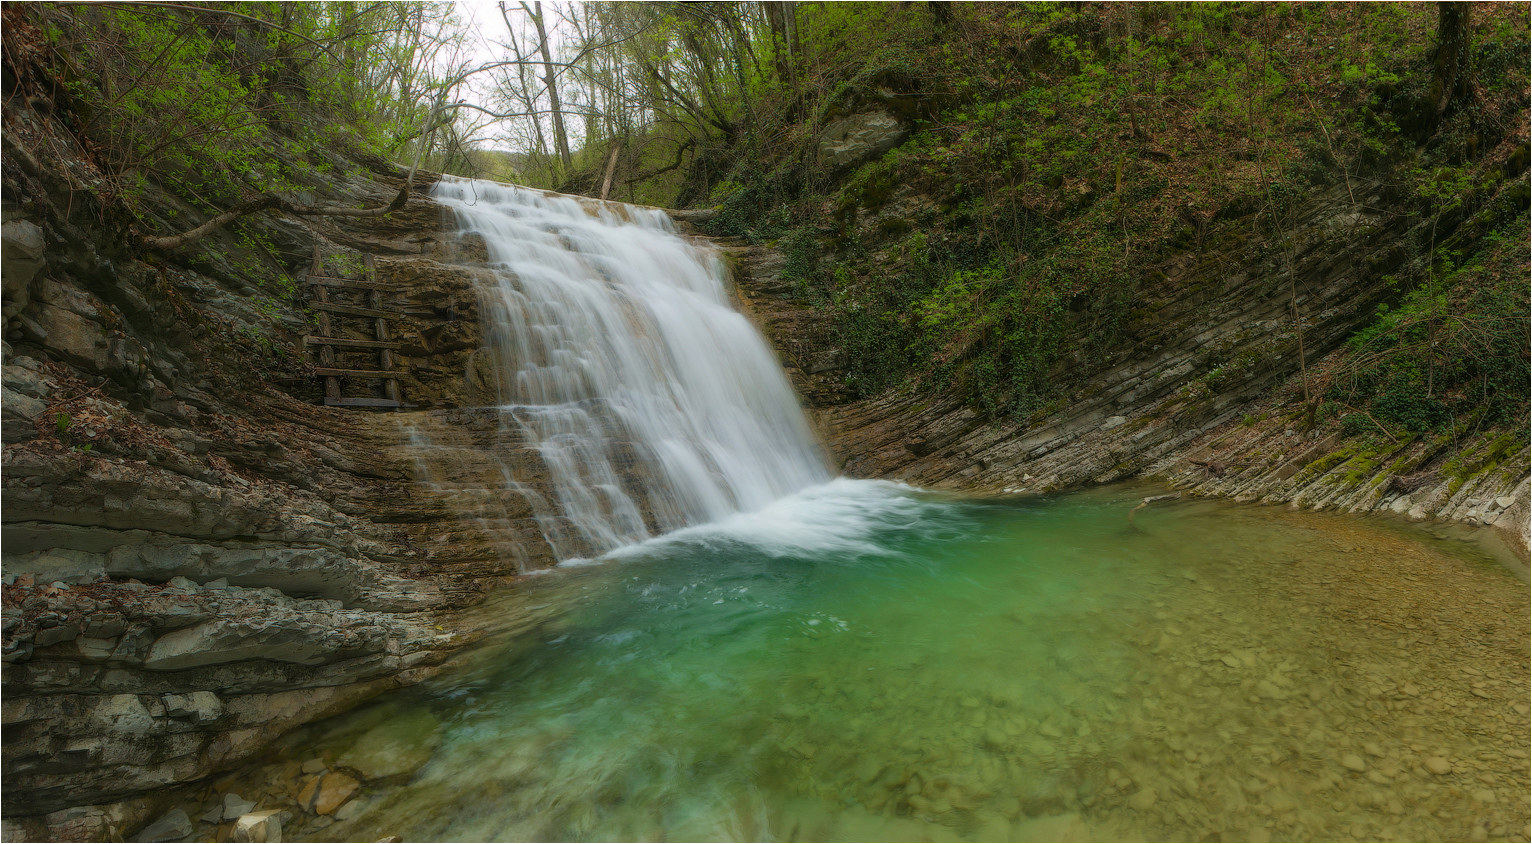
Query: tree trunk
x,y
1453,58
784,40
559,136
611,166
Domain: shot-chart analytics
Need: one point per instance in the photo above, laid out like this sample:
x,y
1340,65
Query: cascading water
x,y
652,402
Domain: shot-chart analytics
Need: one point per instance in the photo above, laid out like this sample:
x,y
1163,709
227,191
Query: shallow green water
x,y
865,662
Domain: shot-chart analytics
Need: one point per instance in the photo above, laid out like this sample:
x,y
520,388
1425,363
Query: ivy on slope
x,y
1064,158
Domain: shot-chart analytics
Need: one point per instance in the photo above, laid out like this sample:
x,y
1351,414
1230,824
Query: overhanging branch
x,y
271,202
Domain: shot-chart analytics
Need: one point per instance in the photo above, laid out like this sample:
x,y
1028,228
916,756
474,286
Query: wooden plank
x,y
353,310
380,326
351,282
356,373
313,340
326,354
359,402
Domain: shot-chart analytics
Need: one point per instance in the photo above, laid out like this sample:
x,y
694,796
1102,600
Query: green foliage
x,y
1456,344
216,107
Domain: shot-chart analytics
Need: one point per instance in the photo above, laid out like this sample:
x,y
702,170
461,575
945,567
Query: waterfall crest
x,y
653,403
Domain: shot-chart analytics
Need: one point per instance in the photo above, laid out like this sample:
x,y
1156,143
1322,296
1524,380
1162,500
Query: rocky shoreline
x,y
199,558
1214,408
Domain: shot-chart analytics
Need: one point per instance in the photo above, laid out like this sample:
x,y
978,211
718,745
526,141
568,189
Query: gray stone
x,y
1143,799
134,644
179,582
234,806
1437,765
49,636
1113,422
80,341
15,405
854,139
263,826
398,747
59,564
23,380
21,257
123,714
106,627
172,826
227,640
92,648
201,707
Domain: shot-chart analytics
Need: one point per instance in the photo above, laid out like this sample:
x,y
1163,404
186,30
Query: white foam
x,y
842,517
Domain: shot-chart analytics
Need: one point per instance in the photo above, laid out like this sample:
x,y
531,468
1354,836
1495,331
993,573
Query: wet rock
x,y
172,826
395,748
1437,765
230,640
123,714
1142,800
859,137
334,789
1353,762
235,806
263,827
21,258
201,707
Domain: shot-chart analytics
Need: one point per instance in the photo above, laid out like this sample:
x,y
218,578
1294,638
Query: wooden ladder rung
x,y
360,402
357,373
340,341
330,281
353,310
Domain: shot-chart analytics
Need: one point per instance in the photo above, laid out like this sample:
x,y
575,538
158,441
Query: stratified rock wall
x,y
1209,401
198,555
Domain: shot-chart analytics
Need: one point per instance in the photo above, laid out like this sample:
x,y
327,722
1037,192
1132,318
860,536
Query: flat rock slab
x,y
395,748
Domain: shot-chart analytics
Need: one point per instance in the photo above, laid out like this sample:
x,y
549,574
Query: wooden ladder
x,y
327,344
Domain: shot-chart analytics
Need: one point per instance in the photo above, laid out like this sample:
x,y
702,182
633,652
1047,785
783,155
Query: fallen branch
x,y
269,203
1374,421
1150,500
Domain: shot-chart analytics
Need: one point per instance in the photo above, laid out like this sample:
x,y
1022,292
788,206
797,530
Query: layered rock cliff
x,y
198,554
1207,397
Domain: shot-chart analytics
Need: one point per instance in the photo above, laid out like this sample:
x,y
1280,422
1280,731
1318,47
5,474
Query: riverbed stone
x,y
1143,799
1437,765
234,806
171,826
264,827
335,788
395,748
1353,762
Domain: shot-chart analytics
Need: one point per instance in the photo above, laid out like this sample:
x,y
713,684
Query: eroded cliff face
x,y
1208,399
198,554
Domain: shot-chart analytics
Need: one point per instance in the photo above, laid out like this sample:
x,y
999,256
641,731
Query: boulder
x,y
396,748
123,714
263,826
59,564
334,789
230,640
174,825
851,140
200,707
21,257
235,806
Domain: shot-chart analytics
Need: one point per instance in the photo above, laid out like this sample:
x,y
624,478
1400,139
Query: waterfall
x,y
653,404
